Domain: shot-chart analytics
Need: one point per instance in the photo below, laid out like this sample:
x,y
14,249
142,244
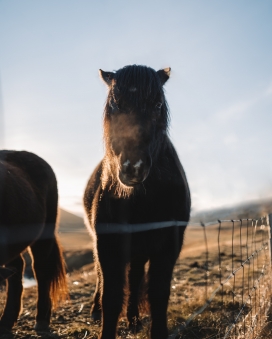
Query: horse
x,y
28,214
136,201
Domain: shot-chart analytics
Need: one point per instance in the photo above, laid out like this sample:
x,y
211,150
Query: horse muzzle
x,y
133,173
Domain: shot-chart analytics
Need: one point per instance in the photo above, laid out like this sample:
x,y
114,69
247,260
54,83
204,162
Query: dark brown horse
x,y
137,201
28,212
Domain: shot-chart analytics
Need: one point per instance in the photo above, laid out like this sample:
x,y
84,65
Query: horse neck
x,y
165,157
164,147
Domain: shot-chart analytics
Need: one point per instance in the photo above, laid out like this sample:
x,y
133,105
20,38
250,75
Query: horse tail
x,y
49,265
56,264
57,274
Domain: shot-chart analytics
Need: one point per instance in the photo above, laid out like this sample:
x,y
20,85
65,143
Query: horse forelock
x,y
140,88
138,85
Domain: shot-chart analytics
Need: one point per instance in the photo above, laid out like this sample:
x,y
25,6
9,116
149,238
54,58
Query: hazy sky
x,y
220,92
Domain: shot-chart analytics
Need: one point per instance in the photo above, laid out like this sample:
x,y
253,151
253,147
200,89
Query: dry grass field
x,y
195,277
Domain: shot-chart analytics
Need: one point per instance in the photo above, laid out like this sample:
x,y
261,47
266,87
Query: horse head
x,y
135,121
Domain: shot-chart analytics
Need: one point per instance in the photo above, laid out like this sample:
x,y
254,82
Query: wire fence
x,y
221,286
228,281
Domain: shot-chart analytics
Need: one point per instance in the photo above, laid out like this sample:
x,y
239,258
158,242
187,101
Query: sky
x,y
219,93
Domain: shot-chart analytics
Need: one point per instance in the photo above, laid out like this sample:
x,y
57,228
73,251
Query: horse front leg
x,y
96,308
135,278
114,280
160,275
113,253
14,294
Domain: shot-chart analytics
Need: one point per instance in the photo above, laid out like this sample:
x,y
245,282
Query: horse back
x,y
32,168
28,195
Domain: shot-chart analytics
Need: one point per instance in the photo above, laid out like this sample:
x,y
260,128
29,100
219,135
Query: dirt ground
x,y
191,287
72,318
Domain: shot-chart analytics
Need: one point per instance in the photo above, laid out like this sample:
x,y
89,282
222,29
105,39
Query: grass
x,y
232,296
195,278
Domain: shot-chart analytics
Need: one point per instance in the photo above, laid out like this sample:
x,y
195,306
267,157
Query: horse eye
x,y
159,105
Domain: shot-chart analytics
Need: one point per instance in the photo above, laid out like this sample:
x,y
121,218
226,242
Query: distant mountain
x,y
73,234
69,222
75,240
251,210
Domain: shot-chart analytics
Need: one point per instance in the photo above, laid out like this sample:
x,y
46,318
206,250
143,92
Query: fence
x,y
221,285
229,293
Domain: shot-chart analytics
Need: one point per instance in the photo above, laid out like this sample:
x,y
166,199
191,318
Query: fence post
x,y
269,220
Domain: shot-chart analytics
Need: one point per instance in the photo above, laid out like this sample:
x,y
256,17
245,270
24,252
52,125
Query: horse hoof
x,y
42,326
96,316
135,327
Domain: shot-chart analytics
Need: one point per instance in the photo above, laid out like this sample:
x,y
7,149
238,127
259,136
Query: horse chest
x,y
148,206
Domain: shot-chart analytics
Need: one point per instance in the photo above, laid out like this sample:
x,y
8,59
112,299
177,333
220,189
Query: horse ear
x,y
164,74
106,76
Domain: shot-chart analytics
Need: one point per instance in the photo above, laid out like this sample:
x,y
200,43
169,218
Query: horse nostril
x,y
138,164
137,167
125,165
133,172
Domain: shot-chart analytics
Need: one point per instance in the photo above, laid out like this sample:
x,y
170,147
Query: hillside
x,y
70,222
253,209
72,232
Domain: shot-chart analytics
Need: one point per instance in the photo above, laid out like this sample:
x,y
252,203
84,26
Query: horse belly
x,y
21,222
15,238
